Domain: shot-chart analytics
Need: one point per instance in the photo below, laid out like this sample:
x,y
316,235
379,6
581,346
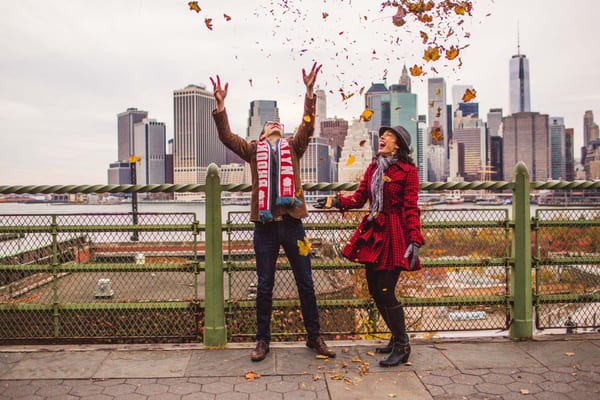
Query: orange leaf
x,y
452,53
208,23
194,6
325,15
431,54
366,115
469,95
416,70
436,134
424,36
350,160
251,375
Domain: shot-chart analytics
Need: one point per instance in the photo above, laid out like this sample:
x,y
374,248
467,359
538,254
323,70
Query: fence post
x,y
215,333
522,307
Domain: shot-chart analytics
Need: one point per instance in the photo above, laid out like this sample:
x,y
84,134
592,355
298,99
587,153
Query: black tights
x,y
382,286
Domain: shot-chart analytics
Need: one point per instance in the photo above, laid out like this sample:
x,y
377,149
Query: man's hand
x,y
219,92
327,202
310,79
412,253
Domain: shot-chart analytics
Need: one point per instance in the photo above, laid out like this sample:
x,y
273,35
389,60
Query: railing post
x,y
215,333
521,290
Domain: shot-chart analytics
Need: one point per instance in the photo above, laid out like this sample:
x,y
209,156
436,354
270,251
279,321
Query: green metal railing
x,y
483,269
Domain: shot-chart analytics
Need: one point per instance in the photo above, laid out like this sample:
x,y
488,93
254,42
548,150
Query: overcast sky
x,y
69,67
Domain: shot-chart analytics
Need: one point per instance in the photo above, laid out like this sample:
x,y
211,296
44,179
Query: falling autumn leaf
x,y
415,70
250,80
194,6
436,134
362,142
208,23
398,18
304,246
366,115
306,118
227,17
452,53
325,15
350,160
431,54
469,95
424,36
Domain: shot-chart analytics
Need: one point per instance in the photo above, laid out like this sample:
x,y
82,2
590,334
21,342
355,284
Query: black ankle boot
x,y
399,354
387,348
400,347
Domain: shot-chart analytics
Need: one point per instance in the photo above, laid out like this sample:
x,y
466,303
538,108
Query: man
x,y
277,208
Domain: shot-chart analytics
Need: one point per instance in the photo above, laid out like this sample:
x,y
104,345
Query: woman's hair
x,y
404,156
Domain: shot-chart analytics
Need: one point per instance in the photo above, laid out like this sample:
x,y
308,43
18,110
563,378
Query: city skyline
x,y
70,70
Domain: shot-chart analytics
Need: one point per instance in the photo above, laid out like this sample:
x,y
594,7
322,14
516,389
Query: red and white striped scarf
x,y
284,178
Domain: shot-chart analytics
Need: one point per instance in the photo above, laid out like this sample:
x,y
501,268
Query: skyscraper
x,y
527,139
437,117
321,110
403,110
260,112
356,153
519,84
377,99
196,142
125,122
150,146
557,149
469,132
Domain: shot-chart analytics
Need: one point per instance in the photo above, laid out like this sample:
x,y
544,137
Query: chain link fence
x,y
463,285
96,277
567,268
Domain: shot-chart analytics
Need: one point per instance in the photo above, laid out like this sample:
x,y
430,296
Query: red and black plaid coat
x,y
384,240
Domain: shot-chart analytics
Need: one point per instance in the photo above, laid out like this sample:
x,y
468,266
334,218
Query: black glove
x,y
327,202
412,253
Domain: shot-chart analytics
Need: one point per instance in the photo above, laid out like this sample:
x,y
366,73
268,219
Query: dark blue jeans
x,y
268,238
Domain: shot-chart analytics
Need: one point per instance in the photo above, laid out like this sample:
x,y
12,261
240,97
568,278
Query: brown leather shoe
x,y
260,351
319,345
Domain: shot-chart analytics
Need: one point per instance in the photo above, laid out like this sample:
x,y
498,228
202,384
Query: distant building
x,y
527,138
557,148
316,164
321,110
196,142
496,159
569,154
437,117
260,112
469,132
125,123
520,100
119,173
150,146
377,99
356,154
334,130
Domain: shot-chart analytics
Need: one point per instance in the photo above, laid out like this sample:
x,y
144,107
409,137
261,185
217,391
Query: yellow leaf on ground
x,y
251,375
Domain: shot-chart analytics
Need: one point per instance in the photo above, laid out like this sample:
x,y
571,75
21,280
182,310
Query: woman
x,y
387,240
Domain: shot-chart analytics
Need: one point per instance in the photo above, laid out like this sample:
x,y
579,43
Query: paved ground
x,y
549,367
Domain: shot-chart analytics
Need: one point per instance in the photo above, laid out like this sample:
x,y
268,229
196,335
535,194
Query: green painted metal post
x,y
215,334
522,307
